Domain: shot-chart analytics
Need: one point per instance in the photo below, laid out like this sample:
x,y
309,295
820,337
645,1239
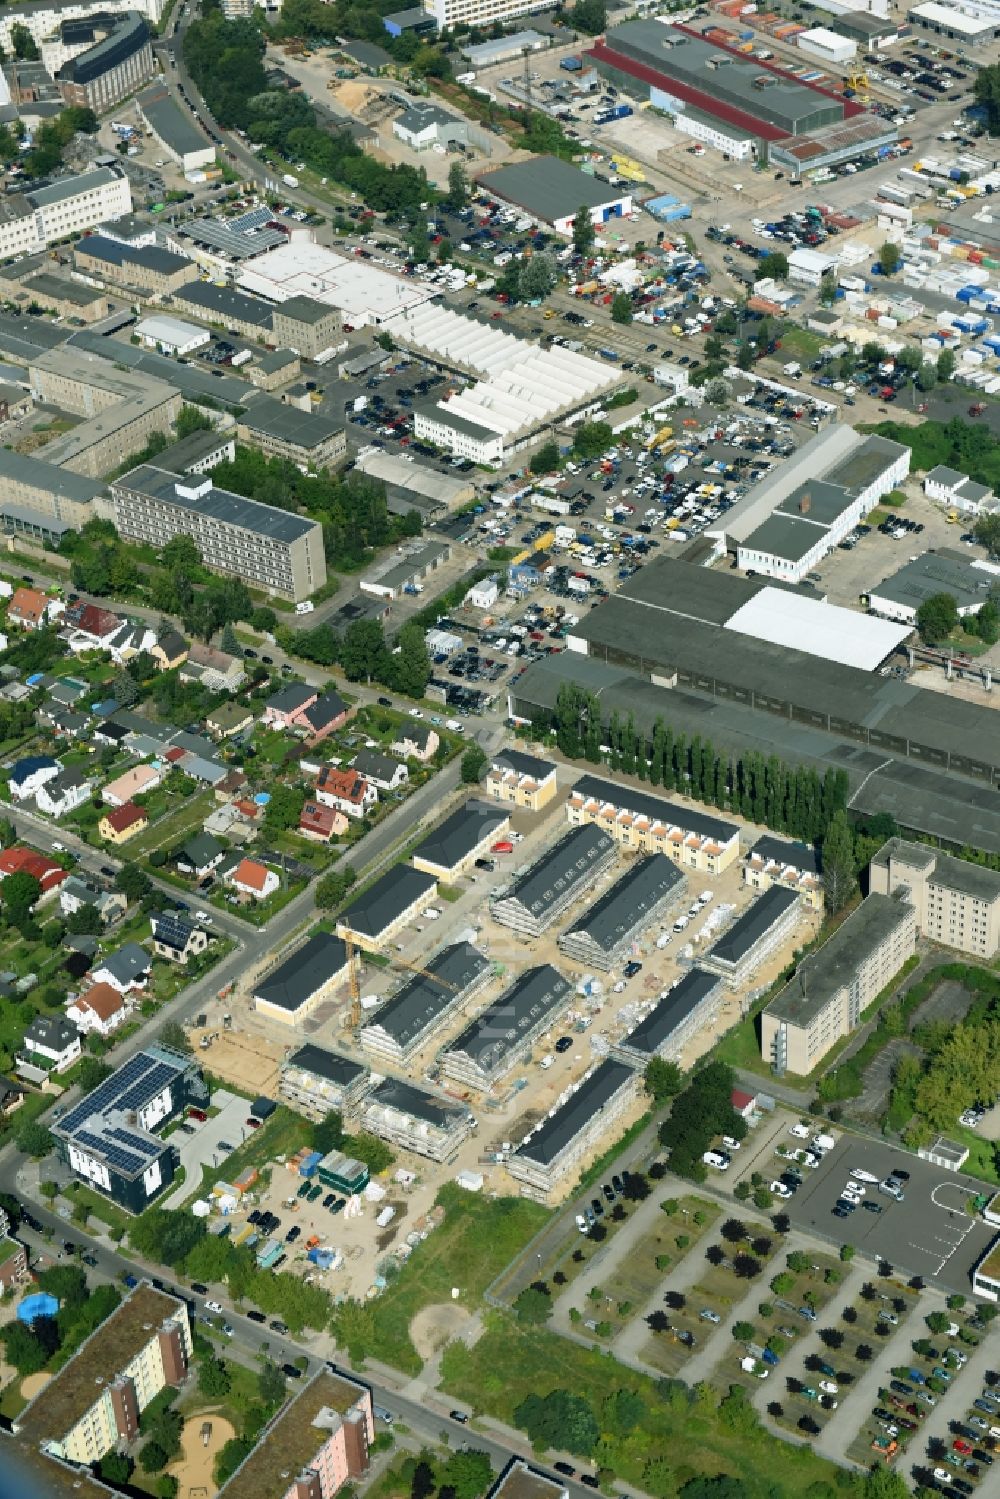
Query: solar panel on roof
x,y
255,218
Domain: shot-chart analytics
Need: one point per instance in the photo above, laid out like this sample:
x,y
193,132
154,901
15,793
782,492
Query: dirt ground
x,y
248,1060
193,1471
434,1326
33,1384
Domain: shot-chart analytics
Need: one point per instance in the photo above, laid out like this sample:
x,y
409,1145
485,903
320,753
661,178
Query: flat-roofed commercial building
x,y
780,861
552,192
957,903
690,1006
900,595
974,27
428,1124
314,1081
318,1442
102,59
269,549
293,991
407,1020
986,1275
95,1401
375,918
574,1128
521,780
640,821
537,896
608,930
834,985
283,431
453,847
762,928
503,1034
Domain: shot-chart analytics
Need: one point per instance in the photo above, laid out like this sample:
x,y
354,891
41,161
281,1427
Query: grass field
x,y
471,1247
686,1432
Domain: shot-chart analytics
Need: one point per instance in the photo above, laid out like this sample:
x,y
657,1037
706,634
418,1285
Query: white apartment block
x,y
957,903
43,21
30,222
481,13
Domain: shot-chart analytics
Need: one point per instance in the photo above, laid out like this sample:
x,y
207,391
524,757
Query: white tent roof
x,y
819,629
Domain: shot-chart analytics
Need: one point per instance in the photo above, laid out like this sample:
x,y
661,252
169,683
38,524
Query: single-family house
x,y
51,1044
109,732
64,792
253,880
231,785
345,790
216,670
122,823
62,722
20,860
11,1096
133,783
381,770
101,1010
27,608
129,641
92,627
28,774
13,1265
127,969
170,650
200,855
76,892
321,823
327,714
230,718
175,937
284,708
415,741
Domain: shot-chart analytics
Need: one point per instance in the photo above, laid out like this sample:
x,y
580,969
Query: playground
x,y
202,1439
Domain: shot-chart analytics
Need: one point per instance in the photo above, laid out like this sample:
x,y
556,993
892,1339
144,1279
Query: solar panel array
x,y
169,928
137,1081
254,218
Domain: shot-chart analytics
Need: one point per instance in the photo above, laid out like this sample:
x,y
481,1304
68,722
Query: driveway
x,y
202,1148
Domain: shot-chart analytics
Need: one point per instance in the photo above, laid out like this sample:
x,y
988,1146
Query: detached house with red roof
x,y
122,823
27,608
93,628
346,791
102,1010
21,860
321,823
253,880
302,709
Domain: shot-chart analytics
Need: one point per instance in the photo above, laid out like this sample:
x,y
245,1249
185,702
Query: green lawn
x,y
185,819
476,1240
688,1434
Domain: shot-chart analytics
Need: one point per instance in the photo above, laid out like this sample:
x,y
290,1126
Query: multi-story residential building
x,y
101,59
521,780
640,821
317,1443
779,861
38,499
835,984
292,992
379,914
269,549
534,898
758,932
13,1265
957,903
630,909
32,221
689,1006
502,1034
314,1081
428,1124
108,1139
452,848
43,19
406,1021
121,408
571,1130
93,1404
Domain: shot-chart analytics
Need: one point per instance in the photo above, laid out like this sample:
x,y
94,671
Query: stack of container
x,y
310,1162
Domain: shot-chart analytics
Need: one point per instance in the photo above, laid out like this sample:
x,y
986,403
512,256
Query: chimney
x,y
805,503
125,1408
172,1354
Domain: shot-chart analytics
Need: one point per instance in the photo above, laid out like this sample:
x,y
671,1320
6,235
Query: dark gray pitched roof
x,y
387,899
456,837
291,984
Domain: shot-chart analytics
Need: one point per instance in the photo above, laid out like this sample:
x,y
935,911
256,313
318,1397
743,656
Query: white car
x,y
730,1143
619,988
864,1176
213,1306
799,1131
828,1387
202,916
717,1159
780,1190
705,897
851,1193
416,713
581,1223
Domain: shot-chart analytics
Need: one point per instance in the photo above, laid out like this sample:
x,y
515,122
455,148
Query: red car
x,y
962,1446
197,1114
253,1123
503,848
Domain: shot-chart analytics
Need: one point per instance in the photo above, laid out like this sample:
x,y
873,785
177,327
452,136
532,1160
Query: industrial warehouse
x,y
794,124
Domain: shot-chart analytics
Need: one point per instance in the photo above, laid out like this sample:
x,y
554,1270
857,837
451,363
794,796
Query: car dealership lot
x,y
929,1234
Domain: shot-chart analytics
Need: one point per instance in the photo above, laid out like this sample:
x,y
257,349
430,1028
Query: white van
x,y
432,913
717,1159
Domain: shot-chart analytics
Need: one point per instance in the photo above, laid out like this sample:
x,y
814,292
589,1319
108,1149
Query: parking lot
x,y
930,1234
